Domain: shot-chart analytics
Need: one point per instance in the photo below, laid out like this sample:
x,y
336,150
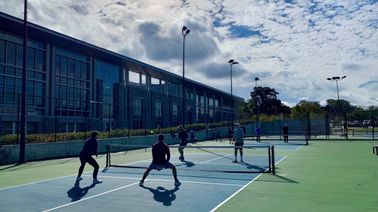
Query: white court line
x,y
185,181
41,181
222,203
206,161
299,147
97,195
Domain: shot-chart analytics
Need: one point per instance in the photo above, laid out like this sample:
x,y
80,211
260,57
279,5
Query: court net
x,y
256,158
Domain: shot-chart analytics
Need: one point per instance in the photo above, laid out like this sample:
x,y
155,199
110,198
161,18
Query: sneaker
x,y
96,181
181,158
234,161
79,178
241,161
141,183
177,183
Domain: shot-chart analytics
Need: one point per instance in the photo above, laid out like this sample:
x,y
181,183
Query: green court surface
x,y
324,176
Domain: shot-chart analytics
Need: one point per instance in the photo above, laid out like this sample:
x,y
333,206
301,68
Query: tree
x,y
265,99
303,108
340,106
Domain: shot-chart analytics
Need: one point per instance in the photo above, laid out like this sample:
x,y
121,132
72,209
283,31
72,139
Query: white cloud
x,y
297,46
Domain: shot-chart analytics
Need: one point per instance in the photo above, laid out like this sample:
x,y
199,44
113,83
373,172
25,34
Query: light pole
x,y
257,102
23,97
336,79
232,62
185,31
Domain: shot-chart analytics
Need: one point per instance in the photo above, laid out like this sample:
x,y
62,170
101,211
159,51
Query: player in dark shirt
x,y
285,130
160,160
183,135
90,148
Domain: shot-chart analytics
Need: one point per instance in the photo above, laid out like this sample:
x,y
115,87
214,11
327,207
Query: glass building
x,y
76,86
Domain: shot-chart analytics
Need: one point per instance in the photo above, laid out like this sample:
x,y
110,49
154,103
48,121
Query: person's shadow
x,y
76,192
163,195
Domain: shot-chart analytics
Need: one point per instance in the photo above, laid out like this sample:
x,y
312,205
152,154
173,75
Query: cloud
x,y
292,46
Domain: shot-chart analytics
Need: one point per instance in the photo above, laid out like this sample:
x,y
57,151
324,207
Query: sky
x,y
291,46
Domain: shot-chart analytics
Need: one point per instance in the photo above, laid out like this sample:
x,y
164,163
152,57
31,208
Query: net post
x,y
270,159
273,162
107,155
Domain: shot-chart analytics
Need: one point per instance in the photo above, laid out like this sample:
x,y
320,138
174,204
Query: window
x,y
158,110
133,77
175,109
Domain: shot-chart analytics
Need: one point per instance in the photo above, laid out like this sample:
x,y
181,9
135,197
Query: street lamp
x,y
336,79
257,103
185,31
232,62
23,82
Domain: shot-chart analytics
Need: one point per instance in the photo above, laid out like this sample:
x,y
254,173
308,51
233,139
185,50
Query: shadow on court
x,y
276,178
77,192
163,195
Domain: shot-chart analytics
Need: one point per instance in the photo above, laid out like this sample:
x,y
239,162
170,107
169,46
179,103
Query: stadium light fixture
x,y
336,79
232,62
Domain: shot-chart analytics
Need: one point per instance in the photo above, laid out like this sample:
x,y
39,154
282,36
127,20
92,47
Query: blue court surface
x,y
120,190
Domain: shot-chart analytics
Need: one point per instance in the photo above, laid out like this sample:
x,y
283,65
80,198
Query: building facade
x,y
75,86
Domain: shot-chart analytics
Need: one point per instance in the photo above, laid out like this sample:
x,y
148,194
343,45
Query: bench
x,y
375,149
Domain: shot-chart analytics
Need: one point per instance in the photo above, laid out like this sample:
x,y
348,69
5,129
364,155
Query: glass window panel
x,y
2,51
31,58
20,55
133,77
39,59
11,53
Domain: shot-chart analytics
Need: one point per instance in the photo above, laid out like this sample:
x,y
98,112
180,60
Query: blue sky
x,y
292,46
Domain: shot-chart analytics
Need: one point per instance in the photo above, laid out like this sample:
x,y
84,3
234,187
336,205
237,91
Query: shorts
x,y
166,165
183,144
239,143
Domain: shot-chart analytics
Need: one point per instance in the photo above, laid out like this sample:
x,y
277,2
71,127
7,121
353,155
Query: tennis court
x,y
323,176
202,188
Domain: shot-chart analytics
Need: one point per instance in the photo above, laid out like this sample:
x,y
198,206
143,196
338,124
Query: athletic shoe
x,y
242,161
79,178
177,183
96,181
181,158
234,161
141,183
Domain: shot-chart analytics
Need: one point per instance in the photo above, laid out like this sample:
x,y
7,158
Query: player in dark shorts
x,y
183,135
239,142
90,148
285,130
160,160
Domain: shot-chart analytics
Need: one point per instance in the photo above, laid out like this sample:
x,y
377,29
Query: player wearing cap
x,y
160,160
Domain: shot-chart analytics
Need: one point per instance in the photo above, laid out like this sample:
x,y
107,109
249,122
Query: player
x,y
258,134
239,142
90,148
183,135
285,130
160,160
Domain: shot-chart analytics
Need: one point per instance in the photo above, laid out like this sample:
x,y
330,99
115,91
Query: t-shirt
x,y
159,150
285,130
90,148
183,137
239,135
